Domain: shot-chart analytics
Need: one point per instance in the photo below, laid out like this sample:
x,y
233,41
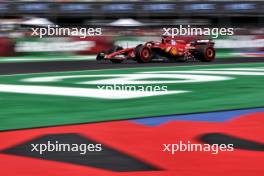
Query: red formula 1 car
x,y
169,48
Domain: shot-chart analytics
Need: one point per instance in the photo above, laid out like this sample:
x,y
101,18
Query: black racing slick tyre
x,y
205,53
143,54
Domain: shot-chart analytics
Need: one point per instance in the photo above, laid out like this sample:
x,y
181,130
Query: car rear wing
x,y
207,42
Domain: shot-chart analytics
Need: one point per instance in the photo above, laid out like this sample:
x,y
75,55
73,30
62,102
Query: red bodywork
x,y
129,51
168,47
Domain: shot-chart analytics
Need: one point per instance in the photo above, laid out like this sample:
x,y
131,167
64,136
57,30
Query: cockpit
x,y
169,41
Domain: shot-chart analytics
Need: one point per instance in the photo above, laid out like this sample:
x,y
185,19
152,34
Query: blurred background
x,y
126,23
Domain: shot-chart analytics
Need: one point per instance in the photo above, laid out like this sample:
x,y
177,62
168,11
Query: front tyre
x,y
143,54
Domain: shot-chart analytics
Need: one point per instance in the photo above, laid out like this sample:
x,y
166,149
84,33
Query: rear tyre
x,y
205,53
143,54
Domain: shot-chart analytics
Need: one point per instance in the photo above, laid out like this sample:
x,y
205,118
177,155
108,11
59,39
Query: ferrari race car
x,y
170,48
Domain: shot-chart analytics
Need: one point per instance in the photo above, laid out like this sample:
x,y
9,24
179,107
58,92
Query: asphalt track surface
x,y
56,66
